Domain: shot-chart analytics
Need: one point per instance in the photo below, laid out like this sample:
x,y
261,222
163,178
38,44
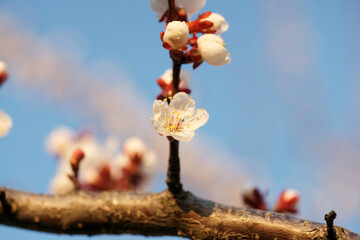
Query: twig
x,y
329,218
76,158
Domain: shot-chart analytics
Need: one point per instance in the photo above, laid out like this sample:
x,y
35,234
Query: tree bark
x,y
156,214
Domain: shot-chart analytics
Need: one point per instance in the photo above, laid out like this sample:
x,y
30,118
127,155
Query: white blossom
x,y
220,25
176,34
185,78
212,50
179,119
59,140
5,124
190,6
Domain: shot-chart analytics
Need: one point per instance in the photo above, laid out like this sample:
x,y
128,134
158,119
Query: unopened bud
x,y
288,201
77,156
176,34
3,72
212,50
253,198
219,24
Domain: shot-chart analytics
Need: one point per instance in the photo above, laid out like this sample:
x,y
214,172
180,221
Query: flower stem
x,y
176,76
172,10
173,173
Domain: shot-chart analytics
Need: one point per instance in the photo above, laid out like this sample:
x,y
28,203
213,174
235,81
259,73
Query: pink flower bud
x,y
288,201
3,72
253,198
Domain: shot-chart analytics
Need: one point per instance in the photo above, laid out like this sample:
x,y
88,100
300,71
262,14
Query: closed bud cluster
x,y
287,202
208,47
102,168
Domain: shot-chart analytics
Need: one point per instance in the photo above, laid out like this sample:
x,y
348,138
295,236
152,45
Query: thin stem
x,y
173,173
172,10
176,76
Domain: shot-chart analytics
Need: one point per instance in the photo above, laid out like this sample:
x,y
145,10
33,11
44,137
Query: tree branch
x,y
152,215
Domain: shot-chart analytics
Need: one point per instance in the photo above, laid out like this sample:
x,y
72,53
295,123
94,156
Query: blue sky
x,y
284,113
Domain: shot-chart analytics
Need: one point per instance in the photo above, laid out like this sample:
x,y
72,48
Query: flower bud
x,y
77,156
253,198
5,124
288,201
3,72
212,50
219,26
176,34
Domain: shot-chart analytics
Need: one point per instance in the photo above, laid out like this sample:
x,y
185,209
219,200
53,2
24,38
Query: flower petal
x,y
184,136
200,118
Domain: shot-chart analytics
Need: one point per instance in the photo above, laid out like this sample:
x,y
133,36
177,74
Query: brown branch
x,y
154,215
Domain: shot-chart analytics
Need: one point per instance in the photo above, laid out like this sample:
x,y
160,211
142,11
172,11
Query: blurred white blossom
x,y
184,78
5,124
179,119
190,6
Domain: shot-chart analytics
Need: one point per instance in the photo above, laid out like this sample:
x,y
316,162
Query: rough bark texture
x,y
152,215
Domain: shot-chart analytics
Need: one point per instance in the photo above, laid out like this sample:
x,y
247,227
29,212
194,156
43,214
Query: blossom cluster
x,y
209,47
5,120
103,167
182,38
287,202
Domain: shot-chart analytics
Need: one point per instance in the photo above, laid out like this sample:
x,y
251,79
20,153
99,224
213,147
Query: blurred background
x,y
283,114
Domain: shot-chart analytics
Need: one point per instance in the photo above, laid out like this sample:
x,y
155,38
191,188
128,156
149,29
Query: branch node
x,y
329,218
5,204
